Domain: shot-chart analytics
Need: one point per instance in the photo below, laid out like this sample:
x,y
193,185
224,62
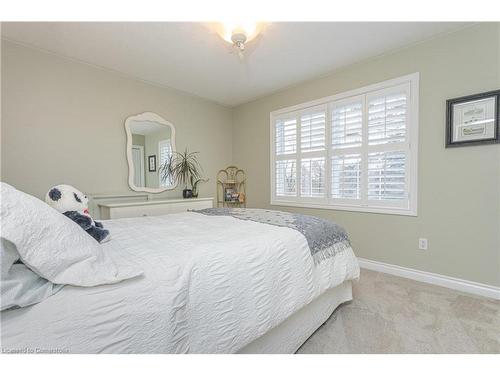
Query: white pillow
x,y
19,285
54,246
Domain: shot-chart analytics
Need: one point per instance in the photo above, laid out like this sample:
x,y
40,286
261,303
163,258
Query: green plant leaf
x,y
182,168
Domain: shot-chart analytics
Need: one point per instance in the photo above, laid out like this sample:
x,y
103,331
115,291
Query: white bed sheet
x,y
211,284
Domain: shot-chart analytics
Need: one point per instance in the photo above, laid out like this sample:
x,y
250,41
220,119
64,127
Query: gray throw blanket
x,y
325,238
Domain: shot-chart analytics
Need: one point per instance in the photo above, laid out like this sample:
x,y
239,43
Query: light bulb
x,y
249,29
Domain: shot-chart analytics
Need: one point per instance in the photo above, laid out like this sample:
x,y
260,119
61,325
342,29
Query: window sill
x,y
323,206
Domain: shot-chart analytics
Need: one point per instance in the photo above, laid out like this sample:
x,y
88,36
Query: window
x,y
354,151
165,152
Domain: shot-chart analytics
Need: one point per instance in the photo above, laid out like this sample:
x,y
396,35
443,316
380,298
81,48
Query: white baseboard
x,y
484,290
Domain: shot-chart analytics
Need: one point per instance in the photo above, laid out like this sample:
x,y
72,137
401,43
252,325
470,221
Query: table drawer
x,y
154,209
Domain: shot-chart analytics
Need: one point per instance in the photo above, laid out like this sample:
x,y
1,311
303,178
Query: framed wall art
x,y
473,120
152,163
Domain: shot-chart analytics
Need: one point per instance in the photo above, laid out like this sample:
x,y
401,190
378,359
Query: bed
x,y
211,284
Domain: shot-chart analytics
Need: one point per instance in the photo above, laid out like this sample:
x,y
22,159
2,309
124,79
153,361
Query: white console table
x,y
117,210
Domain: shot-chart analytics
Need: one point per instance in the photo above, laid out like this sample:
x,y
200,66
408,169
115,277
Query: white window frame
x,y
160,145
412,80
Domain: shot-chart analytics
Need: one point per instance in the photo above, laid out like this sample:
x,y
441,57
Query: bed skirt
x,y
289,336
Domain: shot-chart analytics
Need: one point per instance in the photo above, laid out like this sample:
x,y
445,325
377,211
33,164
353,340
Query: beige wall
x,y
152,147
63,122
138,140
458,209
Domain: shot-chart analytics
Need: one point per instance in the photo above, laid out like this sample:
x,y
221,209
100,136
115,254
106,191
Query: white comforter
x,y
211,285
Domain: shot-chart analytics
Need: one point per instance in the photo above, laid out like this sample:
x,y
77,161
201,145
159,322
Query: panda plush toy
x,y
74,204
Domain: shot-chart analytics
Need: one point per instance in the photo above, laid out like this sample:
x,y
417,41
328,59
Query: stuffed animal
x,y
74,204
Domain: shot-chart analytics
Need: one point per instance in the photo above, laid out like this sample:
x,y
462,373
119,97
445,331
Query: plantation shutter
x,y
346,176
164,153
312,177
387,118
387,175
347,139
286,178
350,151
388,146
165,150
286,136
313,152
285,165
347,124
312,131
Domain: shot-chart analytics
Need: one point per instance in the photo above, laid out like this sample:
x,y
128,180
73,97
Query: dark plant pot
x,y
187,193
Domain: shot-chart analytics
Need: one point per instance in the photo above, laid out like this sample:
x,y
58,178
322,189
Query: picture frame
x,y
230,194
473,119
152,163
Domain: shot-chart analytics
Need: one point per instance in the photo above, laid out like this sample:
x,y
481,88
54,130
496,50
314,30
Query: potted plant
x,y
194,185
183,168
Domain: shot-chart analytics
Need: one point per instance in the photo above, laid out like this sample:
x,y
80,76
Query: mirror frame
x,y
152,117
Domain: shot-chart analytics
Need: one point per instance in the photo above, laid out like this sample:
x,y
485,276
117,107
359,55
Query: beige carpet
x,y
390,314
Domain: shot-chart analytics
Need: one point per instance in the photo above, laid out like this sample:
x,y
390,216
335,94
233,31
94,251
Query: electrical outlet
x,y
422,243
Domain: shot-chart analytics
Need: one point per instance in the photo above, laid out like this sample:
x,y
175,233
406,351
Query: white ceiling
x,y
191,57
148,127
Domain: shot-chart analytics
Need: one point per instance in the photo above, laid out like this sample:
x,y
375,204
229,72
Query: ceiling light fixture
x,y
238,33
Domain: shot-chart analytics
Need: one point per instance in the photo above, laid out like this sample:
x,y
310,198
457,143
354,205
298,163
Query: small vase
x,y
187,193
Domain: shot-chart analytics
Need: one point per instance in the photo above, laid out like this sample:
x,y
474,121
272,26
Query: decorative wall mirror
x,y
150,142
